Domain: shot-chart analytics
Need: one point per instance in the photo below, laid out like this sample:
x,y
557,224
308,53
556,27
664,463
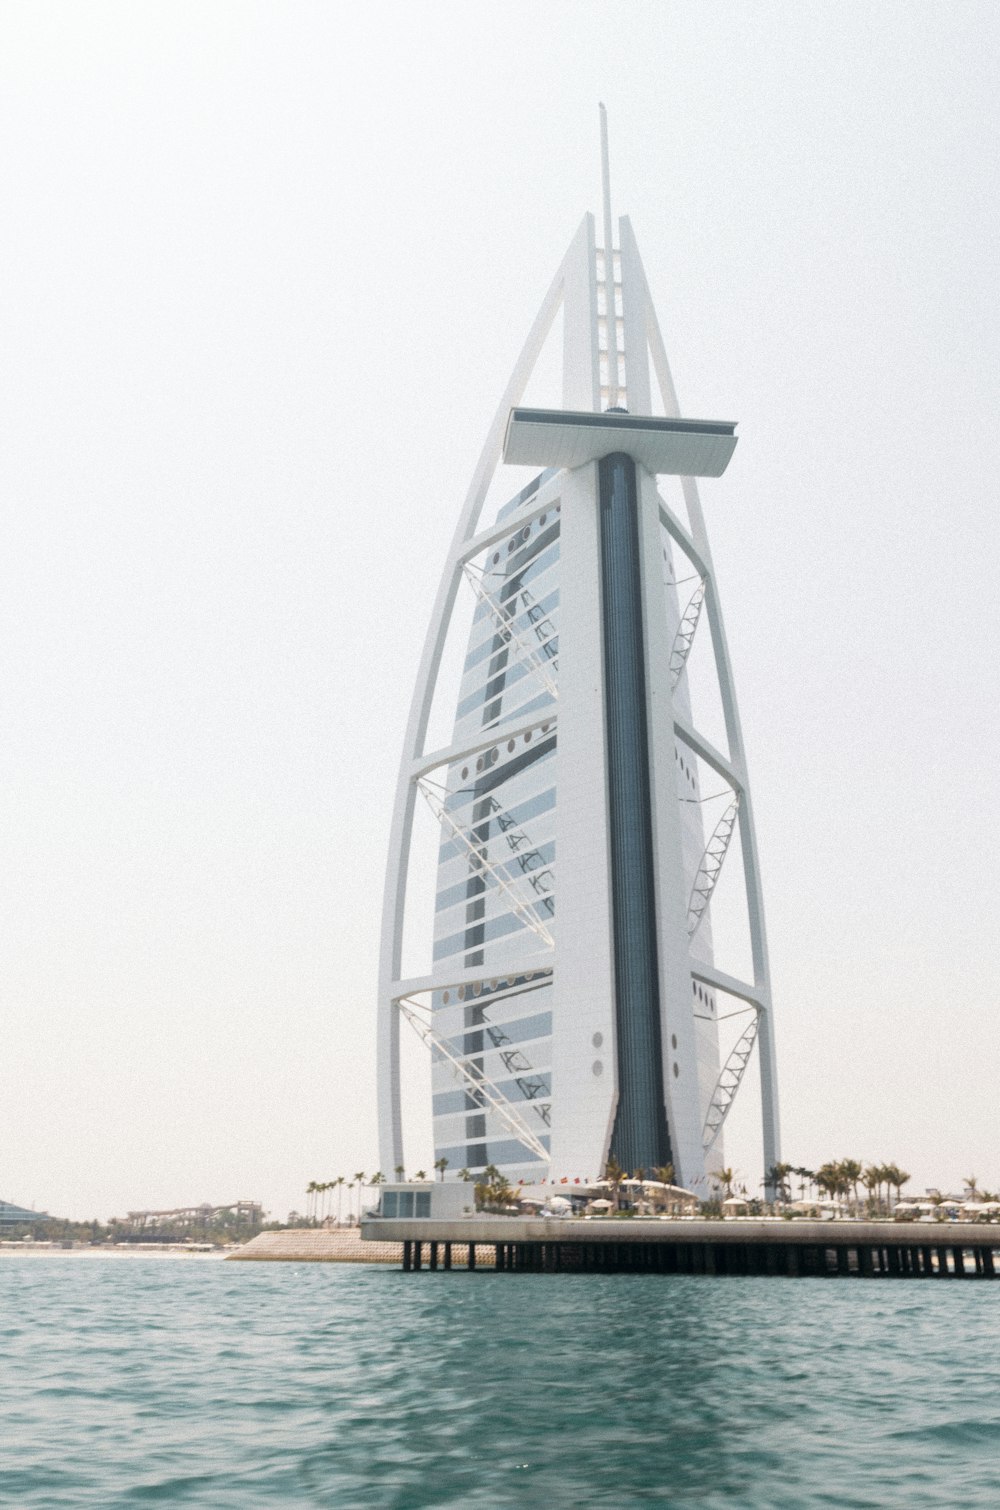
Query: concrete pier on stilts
x,y
765,1247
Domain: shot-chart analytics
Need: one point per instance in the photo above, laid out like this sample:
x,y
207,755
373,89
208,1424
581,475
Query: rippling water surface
x,y
132,1380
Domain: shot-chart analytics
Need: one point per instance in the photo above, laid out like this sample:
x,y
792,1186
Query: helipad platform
x,y
571,438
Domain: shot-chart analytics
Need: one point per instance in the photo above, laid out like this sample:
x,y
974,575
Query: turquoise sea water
x,y
132,1381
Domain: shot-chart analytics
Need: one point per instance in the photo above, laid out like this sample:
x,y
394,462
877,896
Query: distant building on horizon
x,y
16,1216
572,1004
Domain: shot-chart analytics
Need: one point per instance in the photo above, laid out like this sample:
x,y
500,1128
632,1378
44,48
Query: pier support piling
x,y
884,1250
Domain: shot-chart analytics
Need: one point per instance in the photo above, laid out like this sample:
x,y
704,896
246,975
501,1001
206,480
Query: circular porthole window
x,y
510,745
527,737
446,998
465,772
598,1067
676,1069
597,1040
673,1040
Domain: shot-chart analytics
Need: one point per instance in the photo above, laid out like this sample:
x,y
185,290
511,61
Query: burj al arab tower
x,y
581,818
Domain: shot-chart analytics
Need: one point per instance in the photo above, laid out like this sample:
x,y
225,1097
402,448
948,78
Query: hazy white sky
x,y
265,269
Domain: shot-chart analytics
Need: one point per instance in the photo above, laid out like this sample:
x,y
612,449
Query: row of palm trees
x,y
841,1179
838,1179
494,1192
320,1193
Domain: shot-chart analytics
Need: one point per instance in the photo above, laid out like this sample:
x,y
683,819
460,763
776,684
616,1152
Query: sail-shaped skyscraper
x,y
572,1004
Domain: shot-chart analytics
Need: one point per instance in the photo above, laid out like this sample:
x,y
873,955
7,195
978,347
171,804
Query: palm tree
x,y
971,1183
806,1178
869,1179
503,1191
494,1189
421,1174
885,1174
464,1174
442,1165
614,1174
897,1178
339,1182
834,1178
359,1180
400,1172
852,1171
725,1178
777,1179
310,1193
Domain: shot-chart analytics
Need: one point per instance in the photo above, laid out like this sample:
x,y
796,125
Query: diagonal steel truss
x,y
516,1062
505,629
729,1081
481,863
684,638
710,866
545,631
479,1084
529,860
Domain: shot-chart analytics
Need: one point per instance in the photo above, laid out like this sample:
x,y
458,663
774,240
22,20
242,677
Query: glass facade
x,y
496,879
498,873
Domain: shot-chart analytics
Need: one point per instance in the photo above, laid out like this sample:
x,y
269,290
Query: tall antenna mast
x,y
609,266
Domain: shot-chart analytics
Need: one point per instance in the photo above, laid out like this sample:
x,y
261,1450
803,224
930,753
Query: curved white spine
x,y
770,1123
573,277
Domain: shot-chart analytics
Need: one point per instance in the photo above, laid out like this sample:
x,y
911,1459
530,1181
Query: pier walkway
x,y
837,1249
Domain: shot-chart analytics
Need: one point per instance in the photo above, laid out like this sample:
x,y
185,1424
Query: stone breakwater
x,y
316,1245
325,1245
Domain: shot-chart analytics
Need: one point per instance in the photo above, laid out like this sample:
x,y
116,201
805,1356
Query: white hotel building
x,y
571,1007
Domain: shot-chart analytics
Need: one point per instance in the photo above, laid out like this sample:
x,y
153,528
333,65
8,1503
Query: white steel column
x,y
679,1046
584,1073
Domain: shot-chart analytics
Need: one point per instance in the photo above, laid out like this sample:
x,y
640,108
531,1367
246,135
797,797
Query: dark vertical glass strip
x,y
640,1139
